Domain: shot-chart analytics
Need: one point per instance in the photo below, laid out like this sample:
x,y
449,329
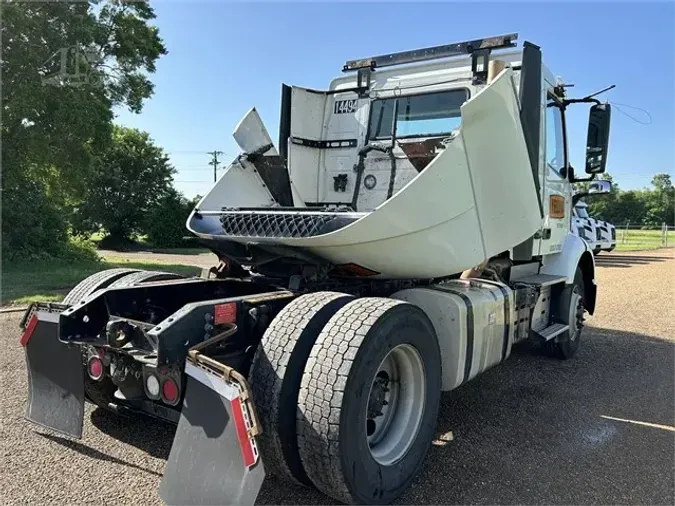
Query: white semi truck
x,y
586,228
600,235
411,226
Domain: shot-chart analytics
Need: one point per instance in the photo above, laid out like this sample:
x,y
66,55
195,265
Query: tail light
x,y
162,384
170,391
95,368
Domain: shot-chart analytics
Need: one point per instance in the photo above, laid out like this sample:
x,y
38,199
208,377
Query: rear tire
x,y
569,309
342,400
143,277
276,374
95,282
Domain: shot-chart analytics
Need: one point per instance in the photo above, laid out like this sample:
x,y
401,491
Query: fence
x,y
635,237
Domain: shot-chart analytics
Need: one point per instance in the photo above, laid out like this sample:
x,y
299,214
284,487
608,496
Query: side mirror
x,y
598,138
599,186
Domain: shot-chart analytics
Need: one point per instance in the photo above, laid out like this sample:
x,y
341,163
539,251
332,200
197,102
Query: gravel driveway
x,y
204,260
533,430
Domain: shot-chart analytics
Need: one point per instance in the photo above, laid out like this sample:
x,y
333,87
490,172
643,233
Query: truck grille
x,y
598,234
613,234
582,232
260,224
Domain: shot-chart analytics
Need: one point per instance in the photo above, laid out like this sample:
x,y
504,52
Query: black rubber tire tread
x,y
143,277
95,282
326,385
562,347
276,374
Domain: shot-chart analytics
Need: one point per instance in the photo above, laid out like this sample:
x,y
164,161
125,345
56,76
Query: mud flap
x,y
55,376
214,458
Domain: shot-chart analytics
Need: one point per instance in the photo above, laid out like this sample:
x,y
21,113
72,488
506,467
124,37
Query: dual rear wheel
x,y
348,391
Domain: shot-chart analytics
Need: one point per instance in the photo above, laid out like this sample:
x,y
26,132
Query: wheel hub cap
x,y
395,404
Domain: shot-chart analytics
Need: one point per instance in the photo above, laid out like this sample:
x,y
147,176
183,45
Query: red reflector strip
x,y
353,270
29,331
242,433
225,313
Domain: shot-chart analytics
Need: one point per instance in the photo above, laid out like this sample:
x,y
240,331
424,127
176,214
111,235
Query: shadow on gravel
x,y
530,431
92,453
148,434
627,260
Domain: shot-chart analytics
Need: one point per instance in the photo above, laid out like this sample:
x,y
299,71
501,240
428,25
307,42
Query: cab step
x,y
539,279
551,331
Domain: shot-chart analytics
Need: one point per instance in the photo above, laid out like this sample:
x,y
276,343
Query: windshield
x,y
582,212
427,115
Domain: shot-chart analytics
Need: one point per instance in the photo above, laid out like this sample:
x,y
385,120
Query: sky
x,y
224,58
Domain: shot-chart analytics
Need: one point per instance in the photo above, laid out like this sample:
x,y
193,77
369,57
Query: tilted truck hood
x,y
476,199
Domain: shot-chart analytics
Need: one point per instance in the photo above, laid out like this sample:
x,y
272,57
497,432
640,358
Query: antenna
x,y
598,92
588,98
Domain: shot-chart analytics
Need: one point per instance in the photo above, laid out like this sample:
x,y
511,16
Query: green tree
x,y
195,200
648,207
661,202
165,224
129,179
65,66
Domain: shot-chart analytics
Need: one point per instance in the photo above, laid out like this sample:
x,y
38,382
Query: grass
x,y
636,240
50,281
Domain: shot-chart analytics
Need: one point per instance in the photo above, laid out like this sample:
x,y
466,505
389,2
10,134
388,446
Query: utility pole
x,y
214,161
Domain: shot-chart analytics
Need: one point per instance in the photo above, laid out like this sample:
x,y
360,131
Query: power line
x,y
188,152
215,162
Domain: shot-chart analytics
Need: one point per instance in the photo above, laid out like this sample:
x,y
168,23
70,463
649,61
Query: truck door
x,y
327,129
557,189
345,132
304,154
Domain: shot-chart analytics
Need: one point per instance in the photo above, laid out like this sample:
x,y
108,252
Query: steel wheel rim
x,y
576,316
395,404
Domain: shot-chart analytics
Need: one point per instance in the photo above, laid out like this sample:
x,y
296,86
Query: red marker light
x,y
95,368
170,391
